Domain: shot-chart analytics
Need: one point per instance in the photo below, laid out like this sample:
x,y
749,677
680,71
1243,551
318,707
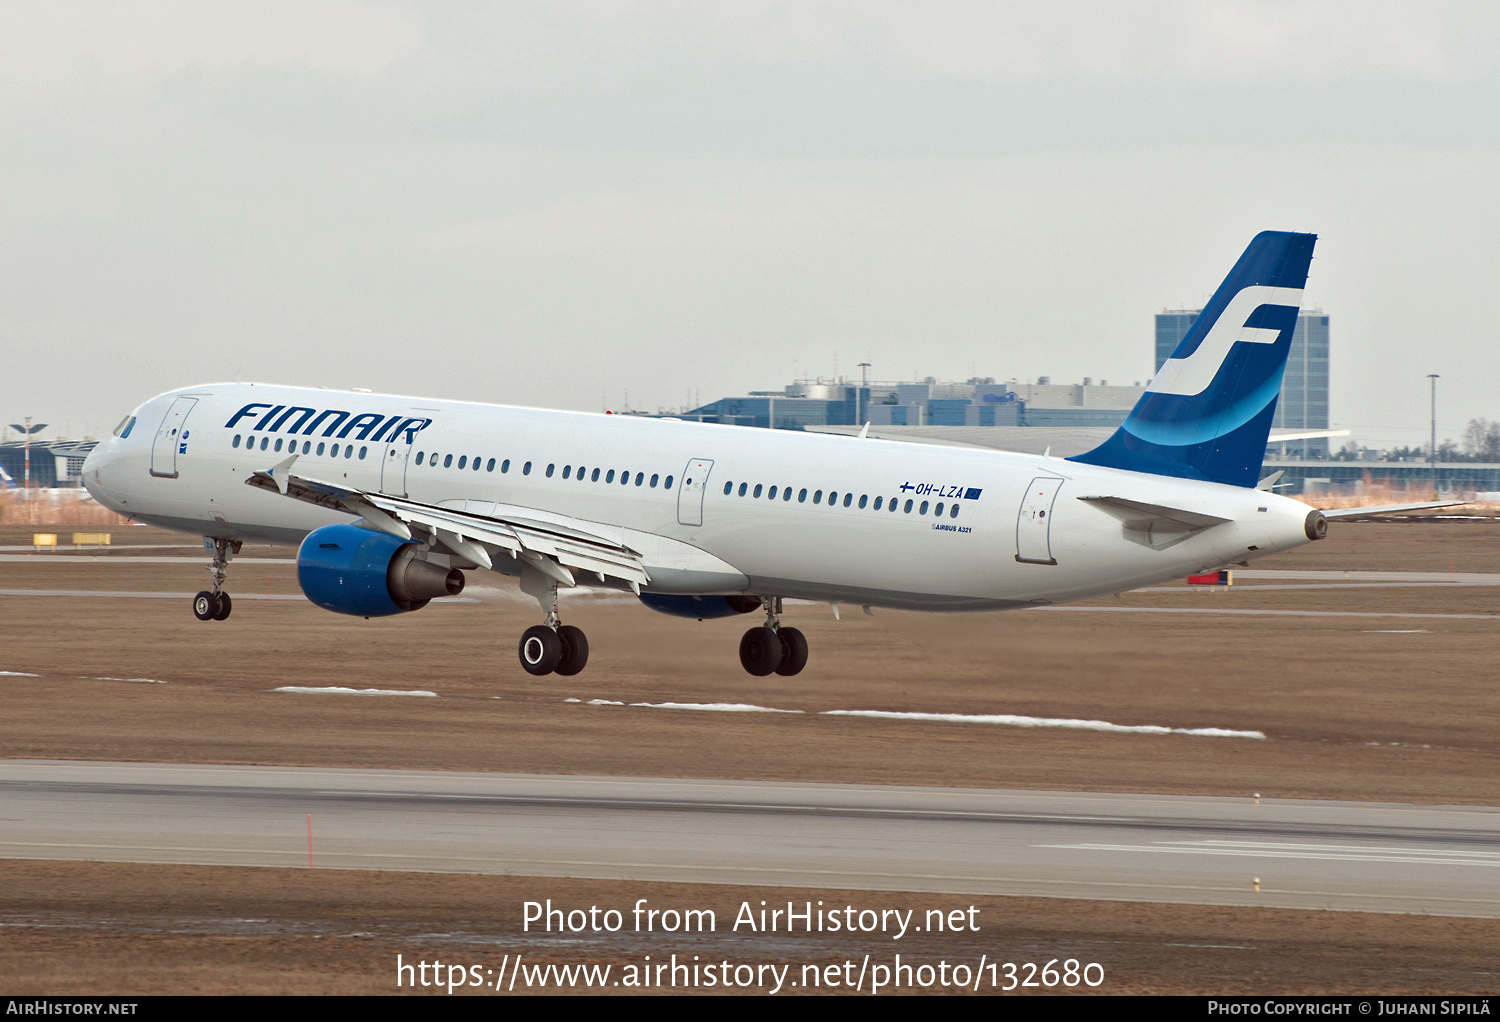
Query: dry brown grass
x,y
55,507
1371,494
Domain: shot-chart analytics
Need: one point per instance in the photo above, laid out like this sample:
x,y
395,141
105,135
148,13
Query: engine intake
x,y
350,570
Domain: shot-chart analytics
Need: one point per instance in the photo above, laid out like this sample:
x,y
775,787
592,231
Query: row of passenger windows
x,y
344,450
848,499
580,472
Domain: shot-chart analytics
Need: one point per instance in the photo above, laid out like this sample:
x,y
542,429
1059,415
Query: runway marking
x,y
147,681
1002,719
334,690
1396,631
1285,850
1266,613
19,674
1012,720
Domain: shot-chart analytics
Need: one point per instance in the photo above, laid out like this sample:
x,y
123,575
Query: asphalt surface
x,y
1435,860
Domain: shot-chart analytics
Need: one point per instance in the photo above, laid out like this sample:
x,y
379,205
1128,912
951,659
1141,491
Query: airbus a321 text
x,y
392,500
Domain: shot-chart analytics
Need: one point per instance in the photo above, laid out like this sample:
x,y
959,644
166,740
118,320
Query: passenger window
x,y
306,446
610,477
463,461
594,476
848,498
526,469
923,509
236,440
491,466
549,470
833,497
567,470
348,450
818,497
938,511
582,473
264,442
639,478
505,466
654,478
727,488
953,511
877,502
786,494
667,483
742,488
476,463
447,461
625,478
908,507
771,494
277,448
420,455
320,450
802,496
862,499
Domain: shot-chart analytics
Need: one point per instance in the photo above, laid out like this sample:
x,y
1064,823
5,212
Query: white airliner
x,y
392,499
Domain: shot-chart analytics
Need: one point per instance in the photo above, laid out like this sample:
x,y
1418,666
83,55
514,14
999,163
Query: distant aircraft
x,y
6,482
391,500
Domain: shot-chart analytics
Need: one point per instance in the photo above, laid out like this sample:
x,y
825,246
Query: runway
x,y
1381,857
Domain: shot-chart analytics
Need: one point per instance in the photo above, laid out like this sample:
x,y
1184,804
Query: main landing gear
x,y
215,605
553,647
773,648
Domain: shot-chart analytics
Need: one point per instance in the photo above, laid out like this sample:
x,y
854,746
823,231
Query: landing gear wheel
x,y
223,606
760,651
204,606
575,650
541,650
793,652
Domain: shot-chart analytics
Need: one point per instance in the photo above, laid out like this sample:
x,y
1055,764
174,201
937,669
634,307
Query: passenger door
x,y
393,467
690,493
1034,524
171,438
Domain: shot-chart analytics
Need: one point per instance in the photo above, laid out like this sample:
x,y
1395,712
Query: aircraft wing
x,y
1385,509
555,545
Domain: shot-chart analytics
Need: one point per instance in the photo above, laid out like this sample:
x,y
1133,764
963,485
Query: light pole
x,y
1432,444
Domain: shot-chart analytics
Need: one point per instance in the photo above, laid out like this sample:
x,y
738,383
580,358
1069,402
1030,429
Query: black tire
x,y
540,650
575,652
760,651
204,605
793,652
224,606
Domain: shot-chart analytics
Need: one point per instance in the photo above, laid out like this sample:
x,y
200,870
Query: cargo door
x,y
171,439
690,493
1034,525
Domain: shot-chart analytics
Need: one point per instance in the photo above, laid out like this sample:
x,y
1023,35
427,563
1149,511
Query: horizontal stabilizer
x,y
1154,525
1386,509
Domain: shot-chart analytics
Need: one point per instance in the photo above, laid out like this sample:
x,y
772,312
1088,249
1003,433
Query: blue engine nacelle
x,y
701,607
350,570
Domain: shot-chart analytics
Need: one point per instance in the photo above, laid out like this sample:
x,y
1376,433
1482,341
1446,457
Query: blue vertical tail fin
x,y
1208,412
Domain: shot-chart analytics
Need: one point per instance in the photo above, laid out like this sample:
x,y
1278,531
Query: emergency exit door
x,y
1034,524
690,493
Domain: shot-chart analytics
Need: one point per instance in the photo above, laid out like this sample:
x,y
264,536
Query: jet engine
x,y
350,570
701,607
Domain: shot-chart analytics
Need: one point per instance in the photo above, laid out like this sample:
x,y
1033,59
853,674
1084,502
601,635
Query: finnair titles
x,y
392,501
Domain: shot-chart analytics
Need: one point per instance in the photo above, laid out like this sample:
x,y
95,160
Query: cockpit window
x,y
126,425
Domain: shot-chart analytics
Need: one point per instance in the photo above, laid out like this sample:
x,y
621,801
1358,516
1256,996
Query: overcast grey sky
x,y
551,203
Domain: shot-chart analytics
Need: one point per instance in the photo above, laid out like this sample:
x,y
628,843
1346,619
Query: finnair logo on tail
x,y
1191,376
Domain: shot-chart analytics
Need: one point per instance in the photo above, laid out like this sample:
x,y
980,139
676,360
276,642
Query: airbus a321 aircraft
x,y
391,500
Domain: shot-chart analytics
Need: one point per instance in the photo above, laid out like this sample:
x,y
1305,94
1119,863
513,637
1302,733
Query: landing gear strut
x,y
773,648
553,647
215,604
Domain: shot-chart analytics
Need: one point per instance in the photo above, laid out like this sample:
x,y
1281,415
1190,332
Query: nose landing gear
x,y
773,648
215,605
